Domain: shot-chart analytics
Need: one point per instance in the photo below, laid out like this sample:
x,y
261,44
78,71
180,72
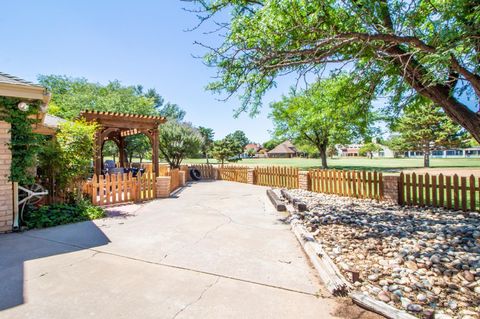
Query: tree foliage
x,y
110,149
70,96
239,137
225,149
137,146
207,135
270,144
425,128
324,114
177,141
75,151
430,47
368,149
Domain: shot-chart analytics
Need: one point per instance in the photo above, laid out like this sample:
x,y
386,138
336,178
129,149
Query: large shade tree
x,y
430,47
240,137
177,141
332,111
70,96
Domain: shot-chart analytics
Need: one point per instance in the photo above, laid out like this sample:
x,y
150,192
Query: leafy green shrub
x,y
60,214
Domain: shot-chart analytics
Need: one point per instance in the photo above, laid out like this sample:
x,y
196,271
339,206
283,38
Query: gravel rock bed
x,y
423,260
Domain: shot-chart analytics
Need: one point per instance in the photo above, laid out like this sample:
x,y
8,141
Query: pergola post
x,y
121,150
97,169
155,152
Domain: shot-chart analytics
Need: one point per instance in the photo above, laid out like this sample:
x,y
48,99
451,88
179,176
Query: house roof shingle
x,y
284,148
10,79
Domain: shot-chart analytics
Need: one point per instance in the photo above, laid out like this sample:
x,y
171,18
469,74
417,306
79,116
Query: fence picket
x,y
408,192
463,190
427,190
455,192
401,189
441,192
472,193
414,189
434,191
448,182
420,190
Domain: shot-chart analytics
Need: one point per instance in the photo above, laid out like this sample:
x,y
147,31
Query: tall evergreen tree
x,y
425,127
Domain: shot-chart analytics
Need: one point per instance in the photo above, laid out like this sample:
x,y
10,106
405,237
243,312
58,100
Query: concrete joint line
x,y
176,267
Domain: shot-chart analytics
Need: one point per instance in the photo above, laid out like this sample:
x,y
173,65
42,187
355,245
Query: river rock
x,y
426,257
383,296
414,307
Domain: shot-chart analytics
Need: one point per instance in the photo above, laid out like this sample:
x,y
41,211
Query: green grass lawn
x,y
380,164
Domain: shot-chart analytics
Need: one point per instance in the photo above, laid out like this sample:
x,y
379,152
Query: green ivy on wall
x,y
24,143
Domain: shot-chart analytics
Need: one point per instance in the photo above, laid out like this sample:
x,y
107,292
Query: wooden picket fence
x,y
233,173
174,179
359,184
276,176
451,192
120,188
163,170
207,171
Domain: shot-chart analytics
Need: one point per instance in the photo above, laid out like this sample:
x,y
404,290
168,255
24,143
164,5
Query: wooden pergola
x,y
116,126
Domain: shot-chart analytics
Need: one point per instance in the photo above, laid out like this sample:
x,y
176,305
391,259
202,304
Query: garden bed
x,y
422,260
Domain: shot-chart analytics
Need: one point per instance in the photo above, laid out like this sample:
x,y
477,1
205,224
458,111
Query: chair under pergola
x,y
116,127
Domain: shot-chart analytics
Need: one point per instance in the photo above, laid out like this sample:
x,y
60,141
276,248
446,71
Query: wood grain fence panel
x,y
401,189
455,192
434,191
427,190
463,191
472,192
448,182
414,189
441,191
408,192
451,192
420,190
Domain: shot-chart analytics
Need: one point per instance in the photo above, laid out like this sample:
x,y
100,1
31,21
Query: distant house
x,y
447,153
353,150
255,146
349,150
284,150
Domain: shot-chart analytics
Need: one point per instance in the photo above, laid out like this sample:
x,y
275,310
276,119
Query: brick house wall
x,y
6,191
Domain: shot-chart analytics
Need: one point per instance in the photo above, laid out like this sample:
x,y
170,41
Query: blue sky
x,y
137,42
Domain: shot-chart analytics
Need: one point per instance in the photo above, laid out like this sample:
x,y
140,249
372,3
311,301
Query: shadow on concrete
x,y
18,248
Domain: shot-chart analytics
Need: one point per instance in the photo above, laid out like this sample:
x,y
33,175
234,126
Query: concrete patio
x,y
215,250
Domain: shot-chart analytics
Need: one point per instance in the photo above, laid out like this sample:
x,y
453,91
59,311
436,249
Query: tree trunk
x,y
414,73
206,156
426,157
322,149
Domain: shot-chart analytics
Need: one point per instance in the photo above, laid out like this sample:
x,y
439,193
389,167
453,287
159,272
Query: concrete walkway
x,y
216,250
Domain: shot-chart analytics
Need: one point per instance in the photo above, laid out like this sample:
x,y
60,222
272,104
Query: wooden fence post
x,y
163,186
304,180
